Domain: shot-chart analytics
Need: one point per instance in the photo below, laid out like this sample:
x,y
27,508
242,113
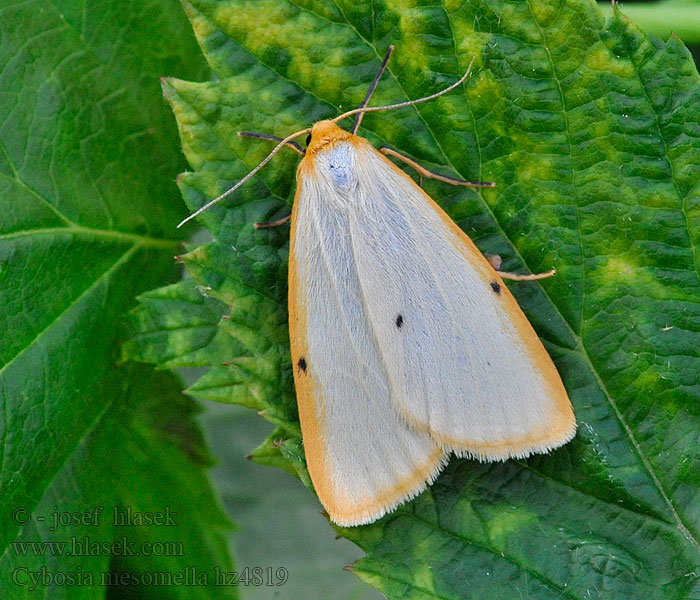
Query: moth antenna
x,y
372,87
272,138
365,109
266,160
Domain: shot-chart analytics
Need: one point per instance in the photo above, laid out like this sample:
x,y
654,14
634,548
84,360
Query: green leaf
x,y
591,131
177,326
146,444
88,208
165,451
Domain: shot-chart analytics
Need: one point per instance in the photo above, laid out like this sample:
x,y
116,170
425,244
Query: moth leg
x,y
373,85
495,261
270,224
423,172
526,277
273,138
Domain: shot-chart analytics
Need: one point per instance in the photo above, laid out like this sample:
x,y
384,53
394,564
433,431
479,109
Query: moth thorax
x,y
337,165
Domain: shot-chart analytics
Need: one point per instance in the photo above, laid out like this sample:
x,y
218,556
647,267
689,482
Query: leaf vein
x,y
123,258
484,546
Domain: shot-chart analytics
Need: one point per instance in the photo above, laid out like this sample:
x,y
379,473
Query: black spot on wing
x,y
302,364
399,321
496,287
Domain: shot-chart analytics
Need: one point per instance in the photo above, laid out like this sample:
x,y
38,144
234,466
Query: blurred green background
x,y
681,17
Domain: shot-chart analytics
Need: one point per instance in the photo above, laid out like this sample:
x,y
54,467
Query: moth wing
x,y
463,362
362,457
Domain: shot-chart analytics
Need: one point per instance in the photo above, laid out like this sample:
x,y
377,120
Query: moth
x,y
406,344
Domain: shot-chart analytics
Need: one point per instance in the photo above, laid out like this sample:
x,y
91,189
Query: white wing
x,y
403,349
464,365
362,457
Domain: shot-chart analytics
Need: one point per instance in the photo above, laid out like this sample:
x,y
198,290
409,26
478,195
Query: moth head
x,y
324,134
